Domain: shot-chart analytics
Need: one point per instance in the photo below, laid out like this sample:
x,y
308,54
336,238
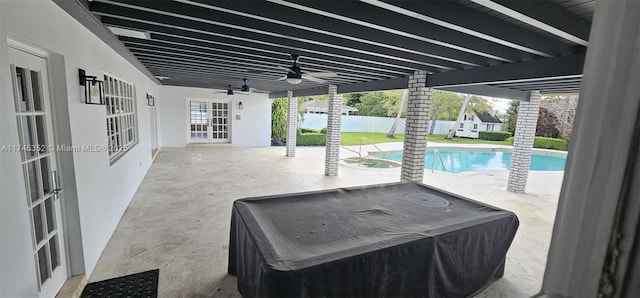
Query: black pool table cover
x,y
388,240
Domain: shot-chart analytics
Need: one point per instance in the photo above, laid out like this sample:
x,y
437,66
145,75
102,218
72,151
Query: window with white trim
x,y
122,123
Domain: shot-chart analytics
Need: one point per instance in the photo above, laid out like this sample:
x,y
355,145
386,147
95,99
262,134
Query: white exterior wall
x,y
104,191
469,132
253,128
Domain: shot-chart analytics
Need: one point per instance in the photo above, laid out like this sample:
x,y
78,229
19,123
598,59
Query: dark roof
x,y
485,117
498,48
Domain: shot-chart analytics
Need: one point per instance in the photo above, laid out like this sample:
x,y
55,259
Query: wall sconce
x,y
240,105
93,88
151,101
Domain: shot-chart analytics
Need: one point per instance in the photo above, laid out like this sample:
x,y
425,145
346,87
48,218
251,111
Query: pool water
x,y
465,160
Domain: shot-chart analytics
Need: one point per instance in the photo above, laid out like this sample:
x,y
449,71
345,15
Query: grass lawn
x,y
353,138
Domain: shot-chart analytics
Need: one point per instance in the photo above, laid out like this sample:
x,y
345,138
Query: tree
x,y
564,108
453,130
512,116
279,118
352,99
405,93
371,104
301,111
547,124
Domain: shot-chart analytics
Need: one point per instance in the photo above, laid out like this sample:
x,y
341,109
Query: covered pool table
x,y
389,240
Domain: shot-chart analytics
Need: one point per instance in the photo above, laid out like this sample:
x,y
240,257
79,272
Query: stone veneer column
x,y
332,156
523,143
292,124
417,128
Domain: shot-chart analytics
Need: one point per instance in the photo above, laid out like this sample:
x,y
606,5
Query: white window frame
x,y
121,118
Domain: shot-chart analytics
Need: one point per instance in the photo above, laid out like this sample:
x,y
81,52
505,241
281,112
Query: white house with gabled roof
x,y
475,122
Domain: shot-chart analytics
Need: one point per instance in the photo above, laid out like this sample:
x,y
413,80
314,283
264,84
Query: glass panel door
x,y
198,122
33,116
208,121
220,121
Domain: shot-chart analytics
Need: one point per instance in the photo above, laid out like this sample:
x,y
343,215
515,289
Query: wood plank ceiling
x,y
488,47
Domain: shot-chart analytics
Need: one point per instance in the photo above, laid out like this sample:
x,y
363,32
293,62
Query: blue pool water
x,y
465,160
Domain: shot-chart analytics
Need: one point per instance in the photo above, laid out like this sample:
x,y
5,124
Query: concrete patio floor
x,y
178,220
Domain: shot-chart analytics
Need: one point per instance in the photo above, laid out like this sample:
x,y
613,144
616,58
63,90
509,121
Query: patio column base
x,y
523,143
417,128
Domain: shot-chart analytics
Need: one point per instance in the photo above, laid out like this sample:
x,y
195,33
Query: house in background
x,y
475,122
322,106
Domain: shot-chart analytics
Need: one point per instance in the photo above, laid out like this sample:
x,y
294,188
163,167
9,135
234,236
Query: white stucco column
x,y
292,124
595,242
332,155
523,143
417,128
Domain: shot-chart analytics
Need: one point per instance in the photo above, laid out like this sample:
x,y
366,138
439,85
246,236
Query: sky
x,y
499,104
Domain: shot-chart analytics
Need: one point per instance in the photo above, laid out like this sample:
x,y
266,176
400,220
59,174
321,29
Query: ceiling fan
x,y
245,89
295,74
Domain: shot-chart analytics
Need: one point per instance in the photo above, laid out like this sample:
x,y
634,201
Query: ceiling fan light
x,y
294,81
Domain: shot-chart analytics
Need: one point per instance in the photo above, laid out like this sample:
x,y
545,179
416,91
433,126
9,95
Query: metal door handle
x,y
57,187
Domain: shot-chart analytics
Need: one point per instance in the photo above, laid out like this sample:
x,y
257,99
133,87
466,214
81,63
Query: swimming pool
x,y
461,160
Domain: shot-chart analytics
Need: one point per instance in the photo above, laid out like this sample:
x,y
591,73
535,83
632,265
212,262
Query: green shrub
x,y
494,135
324,130
308,130
311,139
549,143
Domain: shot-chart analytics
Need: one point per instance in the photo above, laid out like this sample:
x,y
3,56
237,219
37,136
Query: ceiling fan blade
x,y
254,90
313,79
323,74
286,68
282,78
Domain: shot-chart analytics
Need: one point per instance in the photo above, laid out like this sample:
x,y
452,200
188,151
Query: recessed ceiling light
x,y
129,33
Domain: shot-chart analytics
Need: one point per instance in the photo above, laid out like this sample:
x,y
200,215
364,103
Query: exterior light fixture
x,y
240,106
151,101
93,89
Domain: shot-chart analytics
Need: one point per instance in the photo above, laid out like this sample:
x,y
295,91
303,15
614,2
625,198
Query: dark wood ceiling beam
x,y
427,39
168,63
544,82
227,45
544,15
203,35
238,75
250,61
382,20
209,21
240,72
491,91
469,21
541,69
225,80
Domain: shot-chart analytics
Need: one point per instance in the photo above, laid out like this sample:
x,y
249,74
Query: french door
x,y
37,147
208,121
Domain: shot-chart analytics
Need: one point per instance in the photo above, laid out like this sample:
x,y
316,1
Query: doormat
x,y
139,285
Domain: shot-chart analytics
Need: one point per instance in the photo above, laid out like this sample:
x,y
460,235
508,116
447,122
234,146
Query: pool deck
x,y
178,221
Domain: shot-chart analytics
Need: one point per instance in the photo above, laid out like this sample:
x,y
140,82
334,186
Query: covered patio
x,y
179,219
